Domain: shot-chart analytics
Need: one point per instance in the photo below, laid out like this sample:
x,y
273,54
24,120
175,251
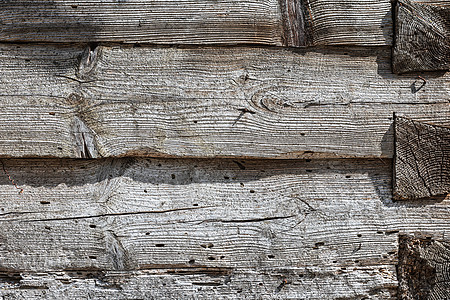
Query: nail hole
x,y
192,261
147,233
93,226
195,122
159,245
92,257
348,176
359,235
145,191
271,256
195,204
252,191
226,177
45,202
211,258
173,176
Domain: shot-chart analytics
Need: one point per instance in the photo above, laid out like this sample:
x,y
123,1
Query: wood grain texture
x,y
424,268
267,22
324,228
422,159
315,229
206,102
422,36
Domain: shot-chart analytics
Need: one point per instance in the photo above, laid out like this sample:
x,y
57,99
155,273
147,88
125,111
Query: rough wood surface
x,y
424,268
206,102
268,22
422,159
422,36
319,229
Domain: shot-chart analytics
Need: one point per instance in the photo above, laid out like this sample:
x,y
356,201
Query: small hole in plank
x,y
159,245
252,191
93,226
271,256
173,176
211,258
92,257
192,261
45,202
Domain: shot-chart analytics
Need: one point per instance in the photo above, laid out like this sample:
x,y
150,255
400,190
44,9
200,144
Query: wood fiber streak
x,y
207,102
422,36
267,22
423,268
318,229
422,159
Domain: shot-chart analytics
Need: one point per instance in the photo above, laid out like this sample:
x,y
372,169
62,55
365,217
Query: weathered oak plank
x,y
207,102
422,36
327,227
268,22
422,159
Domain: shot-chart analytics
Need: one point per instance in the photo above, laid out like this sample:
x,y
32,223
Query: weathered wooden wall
x,y
221,150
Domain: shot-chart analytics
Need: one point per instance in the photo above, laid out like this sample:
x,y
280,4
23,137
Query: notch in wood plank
x,y
422,37
421,160
423,268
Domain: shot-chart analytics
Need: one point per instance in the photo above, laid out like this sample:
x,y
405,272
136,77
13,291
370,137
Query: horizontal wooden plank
x,y
207,102
269,22
191,283
329,227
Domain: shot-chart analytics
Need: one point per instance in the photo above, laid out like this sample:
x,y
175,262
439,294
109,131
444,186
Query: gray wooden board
x,y
66,101
327,228
268,22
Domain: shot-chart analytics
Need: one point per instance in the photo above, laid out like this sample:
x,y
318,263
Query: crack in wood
x,y
422,159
